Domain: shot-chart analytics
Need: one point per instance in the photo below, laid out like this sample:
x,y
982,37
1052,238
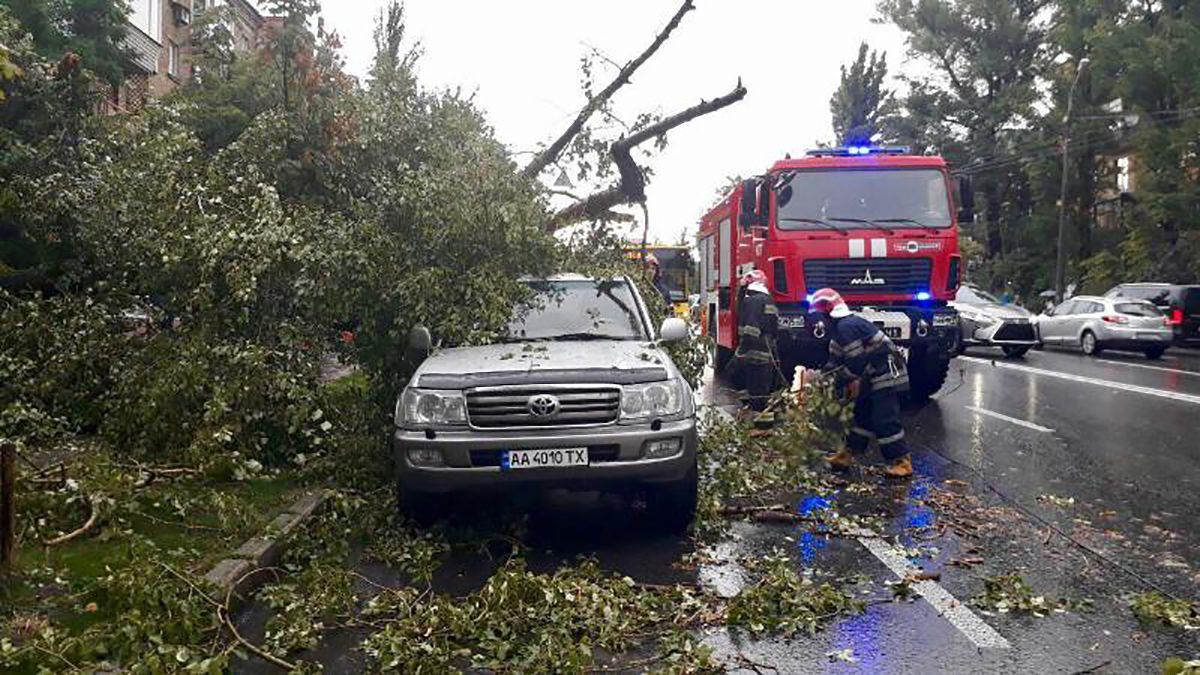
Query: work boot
x,y
901,468
843,460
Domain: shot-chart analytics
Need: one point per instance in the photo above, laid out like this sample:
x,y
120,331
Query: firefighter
x,y
873,372
758,324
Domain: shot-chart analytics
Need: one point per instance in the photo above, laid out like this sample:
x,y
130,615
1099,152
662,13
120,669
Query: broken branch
x,y
552,152
83,529
632,187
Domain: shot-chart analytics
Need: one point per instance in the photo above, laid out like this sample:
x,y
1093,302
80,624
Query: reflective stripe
x,y
755,356
859,431
836,349
892,439
770,309
890,383
857,345
752,331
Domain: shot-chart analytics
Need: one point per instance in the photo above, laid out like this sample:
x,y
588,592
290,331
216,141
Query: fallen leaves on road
x,y
1154,608
1007,593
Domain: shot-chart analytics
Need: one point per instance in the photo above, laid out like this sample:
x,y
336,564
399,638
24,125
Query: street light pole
x,y
1060,271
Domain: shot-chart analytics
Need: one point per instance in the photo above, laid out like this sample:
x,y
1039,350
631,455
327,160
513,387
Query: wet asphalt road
x,y
1082,474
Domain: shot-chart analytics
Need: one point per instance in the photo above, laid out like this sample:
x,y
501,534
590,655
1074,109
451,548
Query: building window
x,y
173,59
1124,181
146,16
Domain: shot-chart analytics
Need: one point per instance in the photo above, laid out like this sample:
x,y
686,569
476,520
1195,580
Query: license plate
x,y
890,331
538,459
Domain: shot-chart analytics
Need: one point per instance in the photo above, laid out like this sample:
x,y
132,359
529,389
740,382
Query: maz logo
x,y
867,280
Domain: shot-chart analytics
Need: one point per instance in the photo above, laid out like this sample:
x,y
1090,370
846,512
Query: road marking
x,y
1119,386
1006,418
947,606
1148,367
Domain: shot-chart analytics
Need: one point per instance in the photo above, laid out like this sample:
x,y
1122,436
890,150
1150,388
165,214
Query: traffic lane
x,y
1126,460
1116,368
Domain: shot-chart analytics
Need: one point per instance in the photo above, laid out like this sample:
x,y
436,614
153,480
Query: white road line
x,y
970,625
1119,386
1006,418
947,606
1148,367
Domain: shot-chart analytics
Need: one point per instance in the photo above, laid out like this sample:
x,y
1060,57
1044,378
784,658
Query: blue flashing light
x,y
860,151
923,296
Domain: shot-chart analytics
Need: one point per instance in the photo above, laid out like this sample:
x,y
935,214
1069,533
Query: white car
x,y
1095,324
987,322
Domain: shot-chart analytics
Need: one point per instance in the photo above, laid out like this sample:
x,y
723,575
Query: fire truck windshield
x,y
851,199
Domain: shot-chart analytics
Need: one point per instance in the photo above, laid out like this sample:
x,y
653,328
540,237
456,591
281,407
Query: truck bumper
x,y
804,336
617,458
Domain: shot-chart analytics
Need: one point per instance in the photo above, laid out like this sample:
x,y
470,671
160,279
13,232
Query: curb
x,y
234,576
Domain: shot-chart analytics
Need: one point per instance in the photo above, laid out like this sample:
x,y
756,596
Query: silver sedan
x,y
987,322
1095,324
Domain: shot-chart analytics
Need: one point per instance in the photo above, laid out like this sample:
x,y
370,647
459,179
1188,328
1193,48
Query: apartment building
x,y
159,37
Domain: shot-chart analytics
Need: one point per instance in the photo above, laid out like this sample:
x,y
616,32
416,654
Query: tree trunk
x,y
995,237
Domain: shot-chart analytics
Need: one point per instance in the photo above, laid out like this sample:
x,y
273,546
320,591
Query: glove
x,y
853,389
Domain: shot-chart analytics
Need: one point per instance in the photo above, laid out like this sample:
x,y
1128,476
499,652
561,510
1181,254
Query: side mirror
x,y
966,197
673,329
748,217
420,342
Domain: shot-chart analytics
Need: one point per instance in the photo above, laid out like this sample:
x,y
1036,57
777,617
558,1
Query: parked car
x,y
1096,324
578,394
987,322
1181,304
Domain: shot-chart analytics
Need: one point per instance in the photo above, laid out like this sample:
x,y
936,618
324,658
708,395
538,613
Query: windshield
x,y
974,296
577,310
843,199
1138,309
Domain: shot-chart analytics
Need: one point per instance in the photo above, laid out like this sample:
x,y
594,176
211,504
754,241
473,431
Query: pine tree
x,y
861,107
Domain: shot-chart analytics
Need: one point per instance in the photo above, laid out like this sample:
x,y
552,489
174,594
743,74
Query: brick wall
x,y
176,43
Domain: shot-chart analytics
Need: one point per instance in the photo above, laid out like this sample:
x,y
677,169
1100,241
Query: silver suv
x,y
577,395
1096,324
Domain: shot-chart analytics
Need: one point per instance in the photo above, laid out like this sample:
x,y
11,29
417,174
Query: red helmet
x,y
830,302
754,277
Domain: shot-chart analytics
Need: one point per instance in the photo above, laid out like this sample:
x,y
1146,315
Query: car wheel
x,y
1014,352
1089,344
674,504
1155,353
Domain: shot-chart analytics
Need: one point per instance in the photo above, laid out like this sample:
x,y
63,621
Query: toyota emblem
x,y
543,405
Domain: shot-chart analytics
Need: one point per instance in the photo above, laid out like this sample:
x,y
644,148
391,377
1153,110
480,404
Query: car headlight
x,y
430,408
656,399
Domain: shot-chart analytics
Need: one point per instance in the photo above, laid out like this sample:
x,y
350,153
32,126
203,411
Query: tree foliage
x,y
994,99
862,106
92,30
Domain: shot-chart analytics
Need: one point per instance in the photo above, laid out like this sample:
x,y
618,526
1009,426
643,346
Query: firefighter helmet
x,y
754,277
830,302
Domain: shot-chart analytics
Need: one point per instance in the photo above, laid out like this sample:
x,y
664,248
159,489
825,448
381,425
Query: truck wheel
x,y
673,505
926,374
724,356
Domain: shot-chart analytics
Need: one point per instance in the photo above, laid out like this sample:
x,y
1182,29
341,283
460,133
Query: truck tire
x,y
926,374
724,356
673,505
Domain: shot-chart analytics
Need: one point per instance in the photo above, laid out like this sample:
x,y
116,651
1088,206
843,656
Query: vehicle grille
x,y
887,275
509,408
1015,331
597,454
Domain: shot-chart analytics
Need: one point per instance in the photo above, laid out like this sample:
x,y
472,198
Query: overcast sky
x,y
521,60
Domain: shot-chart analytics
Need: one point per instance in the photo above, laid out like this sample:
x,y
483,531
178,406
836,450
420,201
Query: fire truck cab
x,y
877,224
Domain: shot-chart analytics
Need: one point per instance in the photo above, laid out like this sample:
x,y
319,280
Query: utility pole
x,y
1060,270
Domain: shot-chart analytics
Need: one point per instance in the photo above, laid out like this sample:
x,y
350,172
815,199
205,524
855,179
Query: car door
x,y
1050,324
1087,312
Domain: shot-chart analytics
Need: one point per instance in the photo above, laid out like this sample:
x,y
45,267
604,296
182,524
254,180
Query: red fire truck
x,y
877,224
